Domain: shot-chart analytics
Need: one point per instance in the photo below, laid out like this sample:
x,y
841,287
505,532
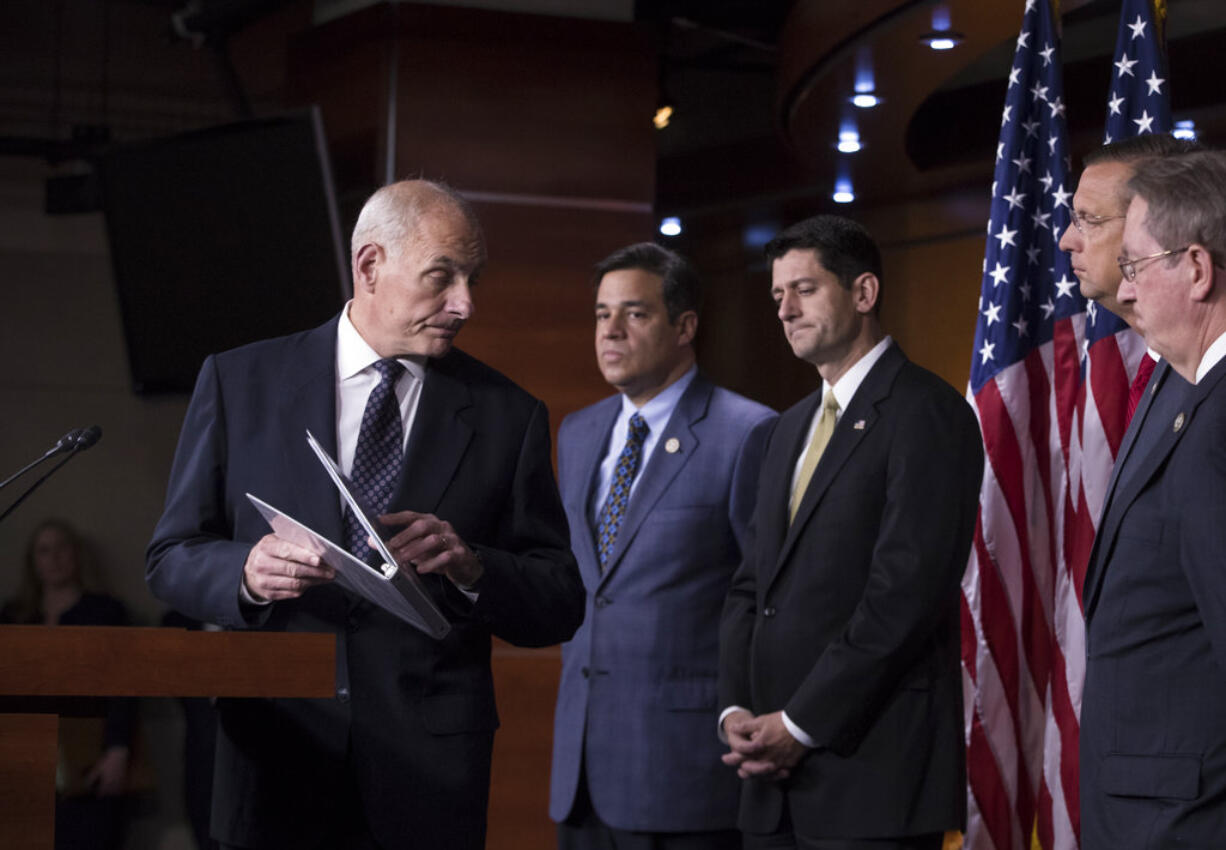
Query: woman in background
x,y
89,811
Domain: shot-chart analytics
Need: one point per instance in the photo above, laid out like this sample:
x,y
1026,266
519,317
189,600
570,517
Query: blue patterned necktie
x,y
378,456
613,511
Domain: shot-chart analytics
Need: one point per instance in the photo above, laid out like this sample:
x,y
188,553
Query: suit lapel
x,y
581,482
663,466
1148,461
441,433
1130,437
778,468
310,404
854,424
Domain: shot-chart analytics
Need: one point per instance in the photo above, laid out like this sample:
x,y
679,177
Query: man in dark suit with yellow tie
x,y
839,673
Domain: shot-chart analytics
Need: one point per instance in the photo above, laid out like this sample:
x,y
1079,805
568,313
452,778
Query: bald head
x,y
391,214
417,250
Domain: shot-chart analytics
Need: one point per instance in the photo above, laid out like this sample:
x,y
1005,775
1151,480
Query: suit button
x,y
342,694
768,612
586,672
602,601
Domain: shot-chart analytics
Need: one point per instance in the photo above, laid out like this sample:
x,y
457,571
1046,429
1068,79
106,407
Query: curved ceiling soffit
x,y
822,46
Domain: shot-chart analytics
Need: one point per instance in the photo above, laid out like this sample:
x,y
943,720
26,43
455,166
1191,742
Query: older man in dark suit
x,y
839,642
1153,718
458,459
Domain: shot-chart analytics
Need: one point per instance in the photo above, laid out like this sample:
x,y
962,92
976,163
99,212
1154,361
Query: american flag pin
x,y
1179,422
859,425
672,446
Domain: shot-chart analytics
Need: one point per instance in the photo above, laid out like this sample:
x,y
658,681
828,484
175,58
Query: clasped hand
x,y
761,746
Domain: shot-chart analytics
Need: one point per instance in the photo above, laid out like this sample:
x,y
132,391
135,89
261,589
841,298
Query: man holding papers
x,y
456,457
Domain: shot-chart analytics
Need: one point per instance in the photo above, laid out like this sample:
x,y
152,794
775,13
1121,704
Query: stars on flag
x,y
1144,123
1155,83
1030,208
1138,27
1125,65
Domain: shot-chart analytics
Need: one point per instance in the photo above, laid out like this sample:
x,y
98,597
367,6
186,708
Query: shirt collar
x,y
354,354
845,387
1215,352
660,408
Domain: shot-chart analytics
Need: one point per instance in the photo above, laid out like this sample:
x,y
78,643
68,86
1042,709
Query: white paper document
x,y
397,591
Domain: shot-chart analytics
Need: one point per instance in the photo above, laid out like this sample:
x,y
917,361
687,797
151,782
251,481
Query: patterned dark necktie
x,y
613,511
379,454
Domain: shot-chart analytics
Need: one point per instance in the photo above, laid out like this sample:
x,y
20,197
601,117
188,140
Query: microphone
x,y
86,437
66,443
75,441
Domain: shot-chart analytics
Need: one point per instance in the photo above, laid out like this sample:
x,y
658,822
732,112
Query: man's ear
x,y
1203,282
865,290
366,264
687,327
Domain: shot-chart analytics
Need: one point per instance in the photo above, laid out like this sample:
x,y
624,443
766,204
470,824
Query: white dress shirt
x,y
356,376
1215,352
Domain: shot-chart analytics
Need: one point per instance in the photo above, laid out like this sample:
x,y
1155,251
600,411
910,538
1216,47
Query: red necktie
x,y
1138,384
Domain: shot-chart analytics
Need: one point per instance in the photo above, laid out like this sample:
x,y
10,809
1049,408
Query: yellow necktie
x,y
821,437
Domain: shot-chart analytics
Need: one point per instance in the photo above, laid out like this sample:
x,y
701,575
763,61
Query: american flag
x,y
1049,382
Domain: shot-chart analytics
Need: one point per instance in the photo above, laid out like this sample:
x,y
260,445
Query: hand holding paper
x,y
431,545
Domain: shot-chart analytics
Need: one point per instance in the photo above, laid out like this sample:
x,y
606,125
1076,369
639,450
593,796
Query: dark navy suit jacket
x,y
411,727
1153,717
637,698
848,618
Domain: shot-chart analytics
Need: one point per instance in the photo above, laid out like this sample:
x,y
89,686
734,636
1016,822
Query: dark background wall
x,y
545,122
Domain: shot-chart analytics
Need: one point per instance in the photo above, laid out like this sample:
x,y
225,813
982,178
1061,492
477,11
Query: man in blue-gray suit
x,y
658,484
1153,715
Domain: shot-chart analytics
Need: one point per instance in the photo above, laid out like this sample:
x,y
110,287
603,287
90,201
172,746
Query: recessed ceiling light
x,y
942,39
843,193
670,226
1185,130
865,100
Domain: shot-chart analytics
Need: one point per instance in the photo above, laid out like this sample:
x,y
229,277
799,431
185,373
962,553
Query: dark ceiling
x,y
75,74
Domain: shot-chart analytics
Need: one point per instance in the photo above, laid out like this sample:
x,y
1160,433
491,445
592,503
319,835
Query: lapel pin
x,y
859,425
672,446
1179,420
1153,390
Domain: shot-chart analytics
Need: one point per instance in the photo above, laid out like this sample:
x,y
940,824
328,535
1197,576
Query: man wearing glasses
x,y
1153,721
1093,238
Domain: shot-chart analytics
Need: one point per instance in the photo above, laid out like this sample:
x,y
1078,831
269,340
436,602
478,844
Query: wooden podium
x,y
47,671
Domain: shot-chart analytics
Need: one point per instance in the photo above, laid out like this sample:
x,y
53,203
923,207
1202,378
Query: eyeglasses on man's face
x,y
1085,221
1128,267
